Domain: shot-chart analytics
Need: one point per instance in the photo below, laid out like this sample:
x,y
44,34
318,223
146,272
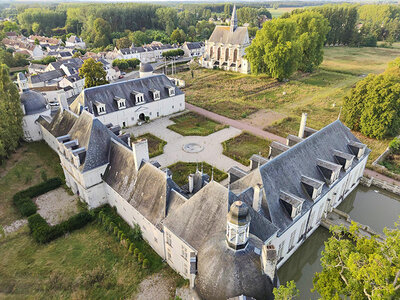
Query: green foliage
x,y
43,175
155,144
44,233
41,20
125,64
372,106
173,53
178,36
140,257
136,252
286,292
167,18
11,114
131,248
123,43
26,206
93,73
44,61
394,145
136,232
145,264
358,267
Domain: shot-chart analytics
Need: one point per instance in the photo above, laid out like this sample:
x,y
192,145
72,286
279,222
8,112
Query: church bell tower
x,y
234,21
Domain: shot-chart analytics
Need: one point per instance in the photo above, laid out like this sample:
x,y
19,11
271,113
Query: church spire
x,y
234,21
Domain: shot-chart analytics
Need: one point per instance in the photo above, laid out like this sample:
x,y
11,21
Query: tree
x,y
167,18
173,53
9,26
311,30
36,27
10,114
138,38
178,36
193,66
37,42
359,267
93,73
286,292
101,33
227,10
275,50
123,43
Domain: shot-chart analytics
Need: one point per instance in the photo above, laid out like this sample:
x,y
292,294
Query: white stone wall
x,y
32,129
49,138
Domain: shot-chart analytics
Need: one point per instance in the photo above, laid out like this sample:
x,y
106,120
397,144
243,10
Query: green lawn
x,y
24,169
86,264
193,124
181,170
243,146
392,163
155,144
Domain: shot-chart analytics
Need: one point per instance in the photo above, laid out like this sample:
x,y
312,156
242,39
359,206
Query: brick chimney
x,y
269,261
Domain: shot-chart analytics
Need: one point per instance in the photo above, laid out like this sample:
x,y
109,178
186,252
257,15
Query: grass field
x,y
24,169
86,264
181,171
243,146
194,124
276,13
320,94
155,144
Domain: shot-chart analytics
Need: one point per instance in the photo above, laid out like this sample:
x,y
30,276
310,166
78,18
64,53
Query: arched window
x,y
226,54
235,55
219,53
211,52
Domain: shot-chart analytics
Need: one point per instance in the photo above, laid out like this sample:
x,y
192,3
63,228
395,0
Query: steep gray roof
x,y
194,45
284,172
223,34
47,76
73,62
144,67
106,93
61,123
33,102
224,273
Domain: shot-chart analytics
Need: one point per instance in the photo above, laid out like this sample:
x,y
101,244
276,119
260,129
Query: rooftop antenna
x,y
340,111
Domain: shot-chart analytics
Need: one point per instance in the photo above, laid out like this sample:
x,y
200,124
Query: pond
x,y
369,206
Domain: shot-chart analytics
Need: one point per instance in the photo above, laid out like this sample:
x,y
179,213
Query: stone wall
x,y
395,189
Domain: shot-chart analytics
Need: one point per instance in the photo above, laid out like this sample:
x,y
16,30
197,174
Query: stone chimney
x,y
62,100
302,125
140,152
191,182
269,260
257,197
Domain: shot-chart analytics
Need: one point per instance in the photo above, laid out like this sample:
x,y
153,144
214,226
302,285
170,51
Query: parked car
x,y
121,76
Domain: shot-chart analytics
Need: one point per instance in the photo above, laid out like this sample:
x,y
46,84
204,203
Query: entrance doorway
x,y
142,117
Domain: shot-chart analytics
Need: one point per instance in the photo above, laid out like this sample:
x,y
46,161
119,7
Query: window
x,y
303,227
169,242
123,124
185,269
158,114
184,252
280,249
169,254
291,242
173,107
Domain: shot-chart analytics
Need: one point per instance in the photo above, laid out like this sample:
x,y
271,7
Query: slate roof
x,y
65,54
194,45
284,173
148,190
73,62
33,102
47,76
223,34
61,123
106,93
73,39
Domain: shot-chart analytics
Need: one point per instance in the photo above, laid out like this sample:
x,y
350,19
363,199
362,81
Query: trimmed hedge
x,y
23,199
44,233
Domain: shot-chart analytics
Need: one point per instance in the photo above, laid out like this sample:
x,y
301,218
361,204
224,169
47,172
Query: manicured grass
x,y
243,146
181,170
193,124
23,169
86,264
285,126
155,144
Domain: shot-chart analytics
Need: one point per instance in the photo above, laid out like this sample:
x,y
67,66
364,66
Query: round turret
x,y
145,70
33,102
238,225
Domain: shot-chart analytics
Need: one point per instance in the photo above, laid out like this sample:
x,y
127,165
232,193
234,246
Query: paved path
x,y
237,124
374,174
173,150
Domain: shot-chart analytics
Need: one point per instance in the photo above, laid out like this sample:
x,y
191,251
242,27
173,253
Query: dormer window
x,y
312,187
139,97
101,107
79,156
156,94
171,90
276,148
345,159
357,148
121,103
292,204
329,170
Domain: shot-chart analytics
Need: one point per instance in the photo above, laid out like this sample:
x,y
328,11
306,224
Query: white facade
x,y
32,130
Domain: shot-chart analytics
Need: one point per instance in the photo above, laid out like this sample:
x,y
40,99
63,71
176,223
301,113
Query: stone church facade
x,y
226,47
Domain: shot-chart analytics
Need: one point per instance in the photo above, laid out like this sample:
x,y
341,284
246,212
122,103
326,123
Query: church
x,y
226,47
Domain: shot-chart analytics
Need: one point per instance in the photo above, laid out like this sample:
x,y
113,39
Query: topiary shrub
x,y
116,230
127,243
145,264
136,252
140,257
26,206
131,248
119,234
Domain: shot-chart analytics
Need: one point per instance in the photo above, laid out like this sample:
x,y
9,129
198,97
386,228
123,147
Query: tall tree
x,y
355,267
93,73
102,33
10,114
227,10
123,43
286,292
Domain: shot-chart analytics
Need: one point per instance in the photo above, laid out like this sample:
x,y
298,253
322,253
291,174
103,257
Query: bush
x,y
131,248
26,207
136,252
116,230
394,145
44,233
140,257
39,189
145,264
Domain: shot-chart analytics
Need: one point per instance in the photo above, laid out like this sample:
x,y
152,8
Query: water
x,y
369,206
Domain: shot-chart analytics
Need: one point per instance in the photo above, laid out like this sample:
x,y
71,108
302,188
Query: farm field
x,y
276,13
320,94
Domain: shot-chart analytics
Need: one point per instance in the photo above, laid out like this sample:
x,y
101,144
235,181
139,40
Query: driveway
x,y
173,151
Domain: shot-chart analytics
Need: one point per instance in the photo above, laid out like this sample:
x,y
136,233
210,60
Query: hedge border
x,y
23,199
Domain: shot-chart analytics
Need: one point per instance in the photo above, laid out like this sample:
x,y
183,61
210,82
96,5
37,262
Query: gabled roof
x,y
61,123
47,76
223,34
284,173
73,62
194,45
105,94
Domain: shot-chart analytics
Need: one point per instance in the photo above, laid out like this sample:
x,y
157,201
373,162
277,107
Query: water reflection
x,y
370,206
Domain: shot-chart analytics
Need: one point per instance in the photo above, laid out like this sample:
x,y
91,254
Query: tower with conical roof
x,y
234,21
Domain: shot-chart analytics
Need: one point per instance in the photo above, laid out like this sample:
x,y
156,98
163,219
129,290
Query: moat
x,y
369,206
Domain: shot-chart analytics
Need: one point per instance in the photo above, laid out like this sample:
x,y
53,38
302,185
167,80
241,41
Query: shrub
x,y
131,248
136,252
39,189
140,257
394,145
137,232
145,264
122,236
127,243
115,230
119,234
26,207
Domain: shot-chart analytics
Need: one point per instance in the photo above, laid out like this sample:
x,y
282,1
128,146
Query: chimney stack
x,y
62,100
302,125
269,261
257,197
140,152
191,183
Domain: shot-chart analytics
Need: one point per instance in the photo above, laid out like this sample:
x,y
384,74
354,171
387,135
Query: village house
x,y
226,47
193,49
146,54
44,40
76,42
